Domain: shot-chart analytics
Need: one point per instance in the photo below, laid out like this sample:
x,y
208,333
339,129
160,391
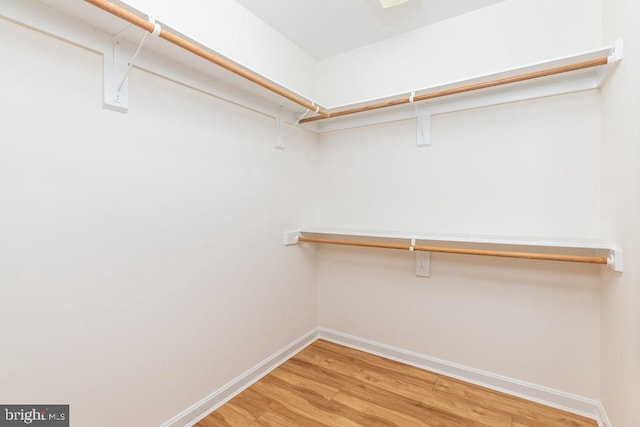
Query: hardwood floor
x,y
330,385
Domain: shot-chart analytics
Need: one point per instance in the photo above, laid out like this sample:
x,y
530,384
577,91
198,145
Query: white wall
x,y
142,259
529,169
531,321
621,210
228,28
505,35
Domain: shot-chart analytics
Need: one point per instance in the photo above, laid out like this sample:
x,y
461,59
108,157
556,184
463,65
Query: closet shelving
x,y
571,73
568,74
586,252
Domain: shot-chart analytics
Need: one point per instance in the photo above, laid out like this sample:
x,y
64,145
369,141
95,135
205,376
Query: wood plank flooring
x,y
331,385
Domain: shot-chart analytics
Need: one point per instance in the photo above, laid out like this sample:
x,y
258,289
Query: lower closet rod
x,y
462,251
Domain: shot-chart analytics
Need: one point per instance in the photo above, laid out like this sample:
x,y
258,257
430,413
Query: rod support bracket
x,y
615,56
157,29
614,260
617,53
291,238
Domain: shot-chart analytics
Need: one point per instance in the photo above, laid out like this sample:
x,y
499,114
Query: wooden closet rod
x,y
462,251
187,45
468,88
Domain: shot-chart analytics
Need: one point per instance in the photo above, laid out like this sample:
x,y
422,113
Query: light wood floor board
x,y
327,384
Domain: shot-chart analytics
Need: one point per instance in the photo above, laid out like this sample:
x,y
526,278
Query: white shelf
x,y
458,238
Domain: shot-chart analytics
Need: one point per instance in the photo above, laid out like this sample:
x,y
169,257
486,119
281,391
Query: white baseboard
x,y
603,418
204,407
547,396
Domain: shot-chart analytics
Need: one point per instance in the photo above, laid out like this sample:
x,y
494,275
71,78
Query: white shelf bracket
x,y
291,238
116,73
282,131
423,130
614,260
423,123
423,260
114,68
423,264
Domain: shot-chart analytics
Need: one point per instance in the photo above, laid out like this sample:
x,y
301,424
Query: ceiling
x,y
325,28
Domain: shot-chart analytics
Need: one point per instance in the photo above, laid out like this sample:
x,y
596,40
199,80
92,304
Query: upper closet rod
x,y
468,88
462,251
187,45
